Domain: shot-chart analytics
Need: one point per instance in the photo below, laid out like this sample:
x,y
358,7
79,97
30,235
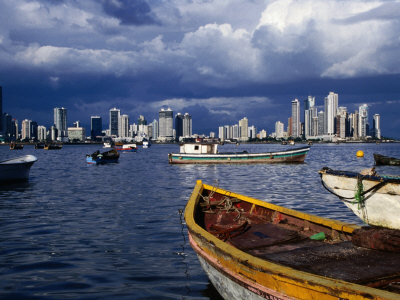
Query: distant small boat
x,y
386,160
125,147
374,199
53,146
252,249
107,145
146,144
16,146
39,146
16,169
110,156
207,153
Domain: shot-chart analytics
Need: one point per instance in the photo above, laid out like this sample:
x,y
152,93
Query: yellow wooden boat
x,y
251,249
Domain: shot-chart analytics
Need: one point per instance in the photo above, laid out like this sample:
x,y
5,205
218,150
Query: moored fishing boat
x,y
251,249
16,146
52,146
375,199
207,153
110,156
386,160
125,147
16,169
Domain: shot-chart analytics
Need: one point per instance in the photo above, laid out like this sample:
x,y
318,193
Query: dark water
x,y
79,231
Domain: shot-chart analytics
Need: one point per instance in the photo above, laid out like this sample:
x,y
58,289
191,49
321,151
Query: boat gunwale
x,y
286,274
19,160
353,174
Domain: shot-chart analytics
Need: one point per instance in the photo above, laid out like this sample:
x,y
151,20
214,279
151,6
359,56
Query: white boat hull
x,y
380,207
16,169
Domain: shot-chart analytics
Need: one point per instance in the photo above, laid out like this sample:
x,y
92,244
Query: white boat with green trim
x,y
207,153
375,199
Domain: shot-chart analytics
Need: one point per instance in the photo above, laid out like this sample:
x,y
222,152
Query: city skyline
x,y
207,58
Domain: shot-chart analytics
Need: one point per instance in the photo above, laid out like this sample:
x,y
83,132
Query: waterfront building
x,y
321,123
331,105
15,128
178,125
123,126
235,132
363,125
243,129
377,126
228,132
314,126
187,125
8,129
114,121
262,134
295,126
252,132
341,123
60,122
279,130
155,130
96,127
53,133
42,133
142,120
26,129
165,122
221,131
310,112
34,130
76,133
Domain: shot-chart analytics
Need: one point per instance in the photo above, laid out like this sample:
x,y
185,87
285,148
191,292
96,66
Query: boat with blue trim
x,y
16,169
252,249
207,153
374,198
110,156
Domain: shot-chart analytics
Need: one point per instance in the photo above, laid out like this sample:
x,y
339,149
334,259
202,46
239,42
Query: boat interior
x,y
291,241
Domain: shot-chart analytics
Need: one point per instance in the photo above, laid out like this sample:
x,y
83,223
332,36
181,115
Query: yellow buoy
x,y
360,153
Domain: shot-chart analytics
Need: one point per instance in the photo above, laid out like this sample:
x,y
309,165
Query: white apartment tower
x,y
243,129
296,126
123,126
165,123
363,126
377,126
279,129
331,105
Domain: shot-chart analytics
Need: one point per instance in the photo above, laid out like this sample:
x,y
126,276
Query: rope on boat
x,y
359,195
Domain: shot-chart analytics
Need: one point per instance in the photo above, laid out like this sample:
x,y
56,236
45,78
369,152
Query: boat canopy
x,y
199,148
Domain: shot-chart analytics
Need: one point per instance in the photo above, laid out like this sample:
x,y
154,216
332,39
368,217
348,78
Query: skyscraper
x,y
363,125
244,129
187,125
295,129
178,126
114,121
166,129
310,112
123,126
96,126
331,105
377,126
60,122
26,129
279,129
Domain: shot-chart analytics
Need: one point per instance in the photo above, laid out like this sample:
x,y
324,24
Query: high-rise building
x,y
187,125
221,131
377,126
26,129
60,122
341,122
363,125
252,132
244,129
166,129
34,130
114,121
331,105
310,112
321,123
142,120
123,126
41,133
279,130
96,126
155,130
178,125
295,118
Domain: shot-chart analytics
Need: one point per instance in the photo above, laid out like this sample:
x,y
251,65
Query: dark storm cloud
x,y
130,12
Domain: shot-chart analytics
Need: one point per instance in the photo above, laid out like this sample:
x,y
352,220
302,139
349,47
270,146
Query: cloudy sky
x,y
219,60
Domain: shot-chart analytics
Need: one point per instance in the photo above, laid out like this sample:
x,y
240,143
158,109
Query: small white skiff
x,y
374,199
16,169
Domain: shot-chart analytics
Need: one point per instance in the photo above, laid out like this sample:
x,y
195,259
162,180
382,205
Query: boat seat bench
x,y
340,260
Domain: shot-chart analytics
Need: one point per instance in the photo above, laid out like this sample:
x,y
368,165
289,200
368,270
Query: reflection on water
x,y
116,231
